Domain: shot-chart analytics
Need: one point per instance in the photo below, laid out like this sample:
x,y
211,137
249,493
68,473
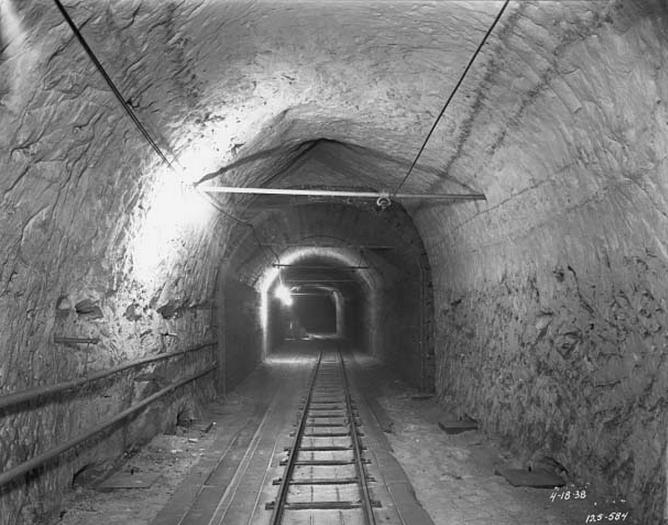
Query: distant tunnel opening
x,y
311,313
335,270
317,299
315,312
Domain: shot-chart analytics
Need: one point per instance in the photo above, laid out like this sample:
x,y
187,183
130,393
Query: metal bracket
x,y
384,201
76,340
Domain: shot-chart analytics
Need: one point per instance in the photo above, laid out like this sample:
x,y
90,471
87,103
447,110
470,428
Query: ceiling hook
x,y
384,201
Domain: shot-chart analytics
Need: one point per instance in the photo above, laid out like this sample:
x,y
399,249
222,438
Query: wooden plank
x,y
525,478
457,427
128,480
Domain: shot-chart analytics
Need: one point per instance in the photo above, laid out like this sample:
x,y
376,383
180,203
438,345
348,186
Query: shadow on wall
x,y
242,332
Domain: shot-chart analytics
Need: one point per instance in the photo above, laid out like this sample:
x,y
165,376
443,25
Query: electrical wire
x,y
111,84
452,94
142,129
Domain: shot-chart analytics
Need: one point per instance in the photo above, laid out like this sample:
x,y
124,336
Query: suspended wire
x,y
452,94
111,84
133,116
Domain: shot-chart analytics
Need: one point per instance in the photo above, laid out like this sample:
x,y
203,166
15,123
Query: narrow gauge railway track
x,y
325,480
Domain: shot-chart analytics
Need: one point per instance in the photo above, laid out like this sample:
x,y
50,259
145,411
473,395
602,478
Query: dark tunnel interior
x,y
467,200
315,311
317,299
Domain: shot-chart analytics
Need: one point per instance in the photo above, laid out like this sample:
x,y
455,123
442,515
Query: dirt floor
x,y
453,475
170,456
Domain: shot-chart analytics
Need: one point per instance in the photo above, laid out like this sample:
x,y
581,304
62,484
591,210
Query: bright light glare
x,y
283,293
197,161
10,24
14,44
178,206
175,211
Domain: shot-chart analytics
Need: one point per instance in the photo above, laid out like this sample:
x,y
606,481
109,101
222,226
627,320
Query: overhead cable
x,y
133,116
452,94
128,109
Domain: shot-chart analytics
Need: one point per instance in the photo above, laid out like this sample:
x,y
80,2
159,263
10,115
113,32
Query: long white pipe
x,y
334,193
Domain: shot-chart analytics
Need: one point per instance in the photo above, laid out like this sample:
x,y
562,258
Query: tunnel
x,y
469,198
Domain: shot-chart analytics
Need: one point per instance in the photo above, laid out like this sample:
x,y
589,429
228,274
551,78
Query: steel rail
x,y
32,394
281,499
32,464
357,453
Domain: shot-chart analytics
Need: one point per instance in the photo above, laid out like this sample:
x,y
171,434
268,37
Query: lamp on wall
x,y
284,295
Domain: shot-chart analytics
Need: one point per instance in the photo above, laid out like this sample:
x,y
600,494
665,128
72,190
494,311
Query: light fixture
x,y
175,212
284,295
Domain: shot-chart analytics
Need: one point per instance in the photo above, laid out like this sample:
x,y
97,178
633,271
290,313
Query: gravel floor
x,y
453,475
170,456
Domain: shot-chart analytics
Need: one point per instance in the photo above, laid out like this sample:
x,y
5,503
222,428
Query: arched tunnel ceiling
x,y
562,123
355,74
386,241
361,81
316,270
336,94
366,80
342,95
357,100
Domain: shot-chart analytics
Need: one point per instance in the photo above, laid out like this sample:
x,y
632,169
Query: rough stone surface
x,y
549,297
76,195
243,332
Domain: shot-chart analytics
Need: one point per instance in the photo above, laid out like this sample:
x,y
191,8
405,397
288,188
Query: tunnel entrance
x,y
334,269
308,301
309,315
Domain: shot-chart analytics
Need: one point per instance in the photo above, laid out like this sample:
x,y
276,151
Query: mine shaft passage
x,y
325,476
315,312
469,198
314,454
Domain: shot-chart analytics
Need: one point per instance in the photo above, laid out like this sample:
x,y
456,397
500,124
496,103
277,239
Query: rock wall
x,y
400,321
91,245
551,297
571,366
242,331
